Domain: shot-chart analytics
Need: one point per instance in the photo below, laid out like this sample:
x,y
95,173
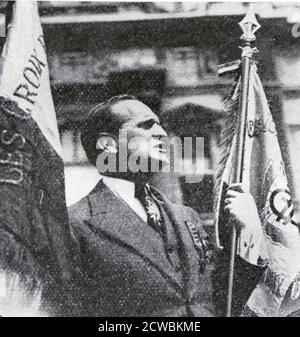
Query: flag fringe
x,y
230,109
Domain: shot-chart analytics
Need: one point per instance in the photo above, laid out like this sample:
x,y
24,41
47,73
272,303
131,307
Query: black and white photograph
x,y
149,160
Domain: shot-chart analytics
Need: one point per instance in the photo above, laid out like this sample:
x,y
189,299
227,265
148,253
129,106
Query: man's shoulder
x,y
190,213
79,211
82,209
191,217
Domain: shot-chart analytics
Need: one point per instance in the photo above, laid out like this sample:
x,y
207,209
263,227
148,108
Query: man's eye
x,y
147,125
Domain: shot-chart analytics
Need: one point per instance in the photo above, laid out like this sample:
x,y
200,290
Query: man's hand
x,y
242,208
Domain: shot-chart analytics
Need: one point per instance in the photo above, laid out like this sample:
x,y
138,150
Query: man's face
x,y
145,136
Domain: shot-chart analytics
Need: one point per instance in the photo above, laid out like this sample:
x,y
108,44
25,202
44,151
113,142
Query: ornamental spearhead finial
x,y
249,25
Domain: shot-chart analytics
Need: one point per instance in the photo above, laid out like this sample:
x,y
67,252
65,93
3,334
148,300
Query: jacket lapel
x,y
113,217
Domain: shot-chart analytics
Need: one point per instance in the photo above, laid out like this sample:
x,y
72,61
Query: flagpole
x,y
249,26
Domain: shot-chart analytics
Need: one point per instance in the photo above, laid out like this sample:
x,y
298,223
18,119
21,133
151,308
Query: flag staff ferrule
x,y
249,26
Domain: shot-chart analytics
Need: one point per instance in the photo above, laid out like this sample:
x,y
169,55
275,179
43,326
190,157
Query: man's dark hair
x,y
101,119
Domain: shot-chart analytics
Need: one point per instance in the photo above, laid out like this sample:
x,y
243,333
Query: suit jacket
x,y
122,268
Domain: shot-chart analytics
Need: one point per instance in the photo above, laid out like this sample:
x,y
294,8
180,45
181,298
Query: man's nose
x,y
159,131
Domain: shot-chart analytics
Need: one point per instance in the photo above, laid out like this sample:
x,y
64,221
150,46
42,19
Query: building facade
x,y
167,55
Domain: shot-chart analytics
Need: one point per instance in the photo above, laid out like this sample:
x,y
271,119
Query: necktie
x,y
143,194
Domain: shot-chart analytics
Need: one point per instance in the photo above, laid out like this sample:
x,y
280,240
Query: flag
x,y
265,178
35,245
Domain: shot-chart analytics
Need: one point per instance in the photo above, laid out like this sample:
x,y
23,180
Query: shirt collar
x,y
121,187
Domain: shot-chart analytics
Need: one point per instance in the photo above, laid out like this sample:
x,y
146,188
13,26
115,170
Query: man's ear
x,y
106,142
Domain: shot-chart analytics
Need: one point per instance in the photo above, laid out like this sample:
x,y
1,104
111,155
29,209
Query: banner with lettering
x,y
265,178
34,235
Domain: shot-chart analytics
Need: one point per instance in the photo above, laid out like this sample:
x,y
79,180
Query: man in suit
x,y
137,254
